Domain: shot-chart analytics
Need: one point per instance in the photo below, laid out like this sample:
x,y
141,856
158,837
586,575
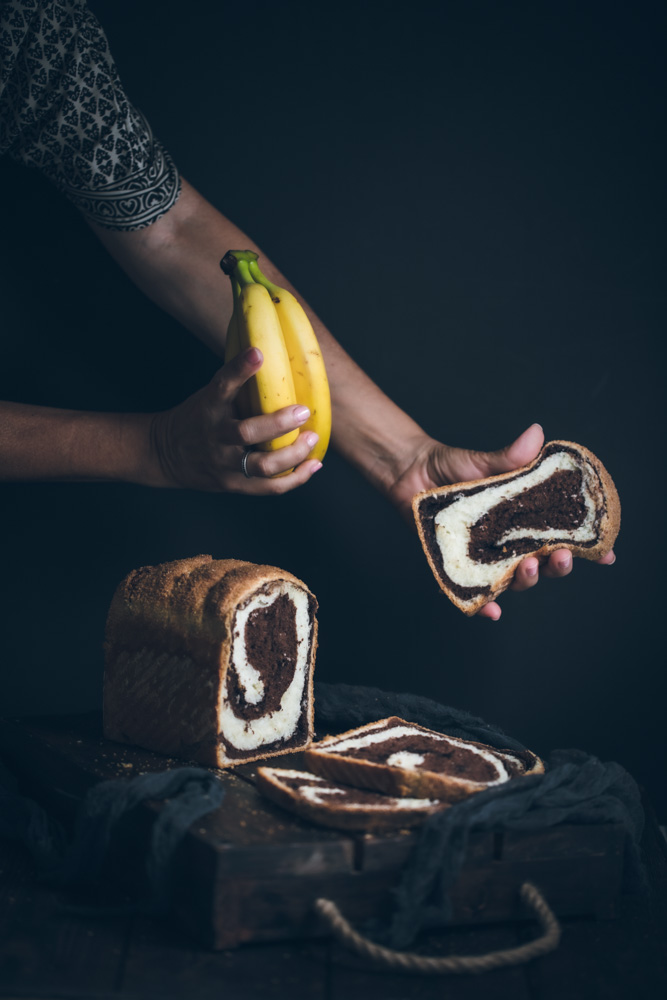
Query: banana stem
x,y
232,257
260,278
242,274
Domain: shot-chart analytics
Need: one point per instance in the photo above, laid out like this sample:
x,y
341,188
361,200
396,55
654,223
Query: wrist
x,y
137,460
110,447
383,448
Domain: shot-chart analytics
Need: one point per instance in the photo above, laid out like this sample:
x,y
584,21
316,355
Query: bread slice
x,y
341,806
400,758
211,660
475,534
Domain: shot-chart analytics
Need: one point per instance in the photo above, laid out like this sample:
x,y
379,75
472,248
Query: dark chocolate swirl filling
x,y
271,646
442,757
554,505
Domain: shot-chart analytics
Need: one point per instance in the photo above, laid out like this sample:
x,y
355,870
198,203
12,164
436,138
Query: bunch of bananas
x,y
272,319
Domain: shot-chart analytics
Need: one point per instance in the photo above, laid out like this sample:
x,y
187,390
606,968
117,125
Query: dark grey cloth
x,y
63,110
577,788
345,706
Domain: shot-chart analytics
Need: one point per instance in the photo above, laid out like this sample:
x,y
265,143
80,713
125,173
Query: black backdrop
x,y
470,195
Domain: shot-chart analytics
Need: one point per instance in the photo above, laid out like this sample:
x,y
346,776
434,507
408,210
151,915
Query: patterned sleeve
x,y
63,109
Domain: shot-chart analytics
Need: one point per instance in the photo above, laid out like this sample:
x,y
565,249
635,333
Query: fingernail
x,y
613,560
564,563
531,570
317,467
253,355
301,413
311,438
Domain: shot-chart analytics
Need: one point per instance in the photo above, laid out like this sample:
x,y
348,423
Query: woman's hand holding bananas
x,y
204,444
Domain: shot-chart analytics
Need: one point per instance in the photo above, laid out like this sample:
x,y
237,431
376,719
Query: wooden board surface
x,y
250,871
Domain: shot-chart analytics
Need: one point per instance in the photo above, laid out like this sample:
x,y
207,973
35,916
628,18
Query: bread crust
x,y
609,526
167,650
398,781
337,818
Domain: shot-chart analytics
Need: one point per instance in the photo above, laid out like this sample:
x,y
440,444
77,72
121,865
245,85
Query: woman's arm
x,y
175,262
198,444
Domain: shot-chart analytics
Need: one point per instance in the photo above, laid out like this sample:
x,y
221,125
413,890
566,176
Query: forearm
x,y
40,443
176,263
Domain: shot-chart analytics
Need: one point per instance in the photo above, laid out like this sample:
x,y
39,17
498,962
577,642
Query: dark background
x,y
471,196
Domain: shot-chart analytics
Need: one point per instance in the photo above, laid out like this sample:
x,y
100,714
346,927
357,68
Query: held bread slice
x,y
211,660
341,806
400,758
475,534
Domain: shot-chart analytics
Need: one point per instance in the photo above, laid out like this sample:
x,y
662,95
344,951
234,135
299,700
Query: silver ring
x,y
244,463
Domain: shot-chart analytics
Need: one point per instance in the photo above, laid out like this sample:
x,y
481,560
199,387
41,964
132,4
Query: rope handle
x,y
407,961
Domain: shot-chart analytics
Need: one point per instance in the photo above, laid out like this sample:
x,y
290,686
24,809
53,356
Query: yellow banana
x,y
232,342
257,325
311,385
233,347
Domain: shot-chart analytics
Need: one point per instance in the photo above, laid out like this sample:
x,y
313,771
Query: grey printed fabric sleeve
x,y
63,110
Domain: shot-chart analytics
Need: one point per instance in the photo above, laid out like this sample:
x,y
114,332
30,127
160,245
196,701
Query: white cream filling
x,y
280,725
405,759
317,795
285,772
454,523
404,804
368,739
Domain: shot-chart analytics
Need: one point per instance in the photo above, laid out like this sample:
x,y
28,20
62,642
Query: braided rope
x,y
410,962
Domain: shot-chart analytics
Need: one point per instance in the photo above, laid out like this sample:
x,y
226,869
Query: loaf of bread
x,y
400,758
475,534
340,806
211,660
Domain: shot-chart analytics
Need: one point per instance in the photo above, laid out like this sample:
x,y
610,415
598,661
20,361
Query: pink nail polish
x,y
317,467
311,438
301,413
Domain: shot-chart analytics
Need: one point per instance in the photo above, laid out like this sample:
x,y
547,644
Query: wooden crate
x,y
250,871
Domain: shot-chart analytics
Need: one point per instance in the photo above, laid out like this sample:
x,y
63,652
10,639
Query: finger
x,y
520,452
490,610
257,430
226,383
273,463
559,564
527,574
282,484
607,560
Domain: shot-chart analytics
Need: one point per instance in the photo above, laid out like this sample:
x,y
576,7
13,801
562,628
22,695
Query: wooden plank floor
x,y
47,952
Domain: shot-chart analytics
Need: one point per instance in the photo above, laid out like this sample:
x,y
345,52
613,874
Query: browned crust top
x,y
198,594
